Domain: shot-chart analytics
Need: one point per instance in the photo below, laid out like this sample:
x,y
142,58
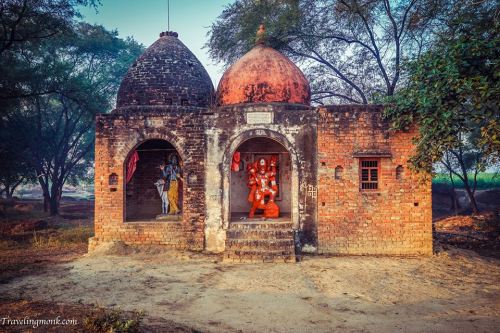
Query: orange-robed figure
x,y
262,184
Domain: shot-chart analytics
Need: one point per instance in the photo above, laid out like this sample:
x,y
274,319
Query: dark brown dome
x,y
263,75
167,73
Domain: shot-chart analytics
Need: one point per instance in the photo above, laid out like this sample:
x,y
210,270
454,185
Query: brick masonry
x,y
397,218
117,135
331,215
167,73
167,95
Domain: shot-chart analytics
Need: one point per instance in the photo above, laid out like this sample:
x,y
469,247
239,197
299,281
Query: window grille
x,y
369,174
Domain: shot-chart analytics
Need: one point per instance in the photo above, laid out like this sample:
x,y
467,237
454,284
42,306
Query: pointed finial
x,y
168,15
261,35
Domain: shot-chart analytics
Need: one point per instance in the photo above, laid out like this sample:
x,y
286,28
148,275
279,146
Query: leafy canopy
x,y
453,91
350,50
74,77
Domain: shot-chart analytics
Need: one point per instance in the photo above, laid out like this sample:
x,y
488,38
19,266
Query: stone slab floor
x,y
455,291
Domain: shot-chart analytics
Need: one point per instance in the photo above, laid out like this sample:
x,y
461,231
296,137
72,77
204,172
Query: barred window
x,y
369,174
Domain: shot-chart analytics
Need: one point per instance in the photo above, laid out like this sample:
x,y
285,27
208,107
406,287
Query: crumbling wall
x,y
394,219
117,134
294,127
329,213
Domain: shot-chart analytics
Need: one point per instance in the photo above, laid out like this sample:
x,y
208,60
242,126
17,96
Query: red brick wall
x,y
117,135
397,218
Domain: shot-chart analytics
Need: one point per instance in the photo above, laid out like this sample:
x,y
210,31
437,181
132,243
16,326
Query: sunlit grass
x,y
61,237
484,180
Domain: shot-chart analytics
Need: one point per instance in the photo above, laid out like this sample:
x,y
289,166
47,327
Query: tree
x,y
14,172
53,132
23,25
453,93
351,49
465,162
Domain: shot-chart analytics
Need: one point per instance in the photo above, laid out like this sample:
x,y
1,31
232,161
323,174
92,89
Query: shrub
x,y
102,320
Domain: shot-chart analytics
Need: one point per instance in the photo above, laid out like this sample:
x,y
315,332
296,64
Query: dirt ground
x,y
45,272
454,291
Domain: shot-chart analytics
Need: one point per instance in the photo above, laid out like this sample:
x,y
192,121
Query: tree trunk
x,y
454,202
473,203
55,198
454,198
8,192
54,206
46,200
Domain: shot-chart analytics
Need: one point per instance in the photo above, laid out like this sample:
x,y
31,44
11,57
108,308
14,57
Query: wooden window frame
x,y
370,173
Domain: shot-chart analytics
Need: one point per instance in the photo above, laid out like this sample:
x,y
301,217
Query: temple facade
x,y
339,176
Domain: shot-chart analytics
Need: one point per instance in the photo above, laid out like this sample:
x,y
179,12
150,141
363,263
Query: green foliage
x,y
453,91
24,24
103,320
65,81
14,171
350,49
233,34
484,180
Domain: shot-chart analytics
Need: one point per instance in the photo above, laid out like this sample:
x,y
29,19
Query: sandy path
x,y
453,292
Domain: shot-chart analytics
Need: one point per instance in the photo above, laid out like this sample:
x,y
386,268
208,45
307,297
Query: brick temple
x,y
345,185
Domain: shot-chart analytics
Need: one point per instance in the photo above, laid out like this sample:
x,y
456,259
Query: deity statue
x,y
162,187
262,184
168,185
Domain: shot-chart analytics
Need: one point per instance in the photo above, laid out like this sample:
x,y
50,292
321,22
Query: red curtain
x,y
235,163
132,165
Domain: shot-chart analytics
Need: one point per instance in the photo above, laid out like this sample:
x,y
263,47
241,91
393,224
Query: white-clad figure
x,y
162,186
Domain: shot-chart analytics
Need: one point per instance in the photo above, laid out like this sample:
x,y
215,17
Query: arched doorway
x,y
252,150
142,197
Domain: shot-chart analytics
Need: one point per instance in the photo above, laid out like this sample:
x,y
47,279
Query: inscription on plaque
x,y
259,118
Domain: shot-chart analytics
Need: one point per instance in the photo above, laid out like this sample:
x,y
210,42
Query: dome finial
x,y
261,35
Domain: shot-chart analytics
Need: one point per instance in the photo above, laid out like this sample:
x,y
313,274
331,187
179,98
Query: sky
x,y
145,19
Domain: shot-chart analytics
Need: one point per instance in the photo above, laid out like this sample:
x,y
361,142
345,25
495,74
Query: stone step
x,y
260,234
260,241
261,225
260,244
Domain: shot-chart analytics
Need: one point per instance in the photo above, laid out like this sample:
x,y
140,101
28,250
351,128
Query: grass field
x,y
484,180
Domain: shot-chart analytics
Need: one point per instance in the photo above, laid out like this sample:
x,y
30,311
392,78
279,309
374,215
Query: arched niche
x,y
250,151
235,142
142,201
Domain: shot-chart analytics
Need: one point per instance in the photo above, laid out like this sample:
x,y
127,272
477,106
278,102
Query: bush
x,y
102,320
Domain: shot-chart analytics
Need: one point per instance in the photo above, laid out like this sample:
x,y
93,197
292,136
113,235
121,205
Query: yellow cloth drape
x,y
173,197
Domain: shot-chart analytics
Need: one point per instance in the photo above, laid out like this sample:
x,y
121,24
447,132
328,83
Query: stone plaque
x,y
260,117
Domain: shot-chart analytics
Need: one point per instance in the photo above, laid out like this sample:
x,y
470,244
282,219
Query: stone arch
x,y
126,151
234,143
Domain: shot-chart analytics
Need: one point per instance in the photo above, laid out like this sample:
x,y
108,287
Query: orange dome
x,y
263,75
